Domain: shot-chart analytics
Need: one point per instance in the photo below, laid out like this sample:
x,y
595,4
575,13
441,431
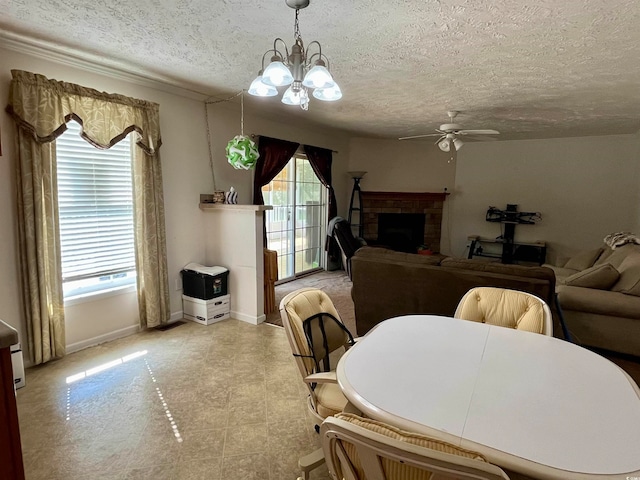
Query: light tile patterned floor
x,y
223,401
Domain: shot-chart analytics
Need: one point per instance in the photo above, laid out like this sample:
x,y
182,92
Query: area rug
x,y
336,284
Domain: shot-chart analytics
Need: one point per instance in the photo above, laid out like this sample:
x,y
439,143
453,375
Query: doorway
x,y
296,226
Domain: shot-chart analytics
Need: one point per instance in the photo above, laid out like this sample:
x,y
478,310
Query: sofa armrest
x,y
601,302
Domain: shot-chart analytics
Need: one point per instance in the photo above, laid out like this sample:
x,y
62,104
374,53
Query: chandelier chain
x,y
296,27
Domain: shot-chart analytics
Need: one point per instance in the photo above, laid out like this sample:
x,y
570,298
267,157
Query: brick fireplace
x,y
429,204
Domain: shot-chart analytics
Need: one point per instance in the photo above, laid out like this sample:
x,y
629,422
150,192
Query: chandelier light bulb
x,y
330,94
261,89
277,74
295,96
318,77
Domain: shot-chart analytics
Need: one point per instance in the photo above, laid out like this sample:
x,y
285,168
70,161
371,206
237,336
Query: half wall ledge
x,y
227,206
233,239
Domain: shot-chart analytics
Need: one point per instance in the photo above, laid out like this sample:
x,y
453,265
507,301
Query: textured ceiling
x,y
528,69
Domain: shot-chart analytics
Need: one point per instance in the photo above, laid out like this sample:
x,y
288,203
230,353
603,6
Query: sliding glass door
x,y
296,226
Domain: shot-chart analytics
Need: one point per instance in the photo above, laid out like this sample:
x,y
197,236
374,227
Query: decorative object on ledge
x,y
206,198
218,196
231,197
298,69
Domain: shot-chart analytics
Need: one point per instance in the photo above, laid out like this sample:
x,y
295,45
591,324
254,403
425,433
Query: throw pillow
x,y
601,277
629,281
583,260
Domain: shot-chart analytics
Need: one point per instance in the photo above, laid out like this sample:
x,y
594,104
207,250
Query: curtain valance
x,y
43,107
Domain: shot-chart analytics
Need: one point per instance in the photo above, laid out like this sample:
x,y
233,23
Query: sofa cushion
x,y
629,281
384,254
561,273
583,260
601,277
604,256
619,254
499,268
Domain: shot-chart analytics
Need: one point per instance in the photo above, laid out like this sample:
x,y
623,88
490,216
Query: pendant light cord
x,y
208,102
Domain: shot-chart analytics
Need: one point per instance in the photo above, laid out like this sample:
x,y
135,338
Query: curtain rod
x,y
253,135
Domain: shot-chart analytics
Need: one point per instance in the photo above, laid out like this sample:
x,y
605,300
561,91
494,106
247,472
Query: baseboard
x,y
248,318
107,337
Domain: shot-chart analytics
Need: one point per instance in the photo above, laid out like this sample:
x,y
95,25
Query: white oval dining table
x,y
529,403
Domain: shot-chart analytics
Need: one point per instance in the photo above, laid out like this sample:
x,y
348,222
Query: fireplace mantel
x,y
404,196
428,203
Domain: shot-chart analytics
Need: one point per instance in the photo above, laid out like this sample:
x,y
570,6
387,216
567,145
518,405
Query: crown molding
x,y
93,63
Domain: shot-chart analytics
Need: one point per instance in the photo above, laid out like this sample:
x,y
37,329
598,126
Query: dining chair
x,y
506,308
357,448
317,338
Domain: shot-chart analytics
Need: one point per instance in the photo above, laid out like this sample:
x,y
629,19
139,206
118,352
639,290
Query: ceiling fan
x,y
449,134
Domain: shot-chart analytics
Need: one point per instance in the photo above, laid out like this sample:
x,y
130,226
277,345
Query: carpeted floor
x,y
335,283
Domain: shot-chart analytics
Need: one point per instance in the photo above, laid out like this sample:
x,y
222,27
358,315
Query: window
x,y
95,205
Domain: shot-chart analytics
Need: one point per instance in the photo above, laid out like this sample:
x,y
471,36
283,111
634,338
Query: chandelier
x,y
300,69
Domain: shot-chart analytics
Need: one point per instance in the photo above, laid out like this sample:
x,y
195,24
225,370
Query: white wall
x,y
584,187
401,166
404,166
186,174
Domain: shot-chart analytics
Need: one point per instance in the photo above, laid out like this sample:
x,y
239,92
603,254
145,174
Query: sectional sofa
x,y
388,283
599,296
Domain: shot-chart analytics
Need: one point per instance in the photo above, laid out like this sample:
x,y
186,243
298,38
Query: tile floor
x,y
223,401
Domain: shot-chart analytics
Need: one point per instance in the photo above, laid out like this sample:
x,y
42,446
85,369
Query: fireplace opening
x,y
403,232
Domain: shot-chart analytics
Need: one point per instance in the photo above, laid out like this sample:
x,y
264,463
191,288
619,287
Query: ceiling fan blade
x,y
420,136
481,138
478,132
440,139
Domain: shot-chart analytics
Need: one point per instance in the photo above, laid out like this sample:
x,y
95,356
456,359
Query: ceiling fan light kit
x,y
448,133
299,69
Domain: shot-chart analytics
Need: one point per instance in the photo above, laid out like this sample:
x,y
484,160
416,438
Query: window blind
x,y
95,207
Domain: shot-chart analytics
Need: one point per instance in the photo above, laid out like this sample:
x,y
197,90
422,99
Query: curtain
x,y
320,160
41,107
274,155
150,240
39,247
